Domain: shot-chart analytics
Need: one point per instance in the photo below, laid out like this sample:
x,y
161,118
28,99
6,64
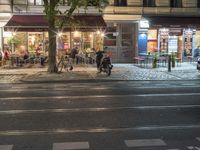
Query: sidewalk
x,y
187,71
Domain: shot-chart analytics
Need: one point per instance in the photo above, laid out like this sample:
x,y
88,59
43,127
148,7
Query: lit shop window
x,y
35,2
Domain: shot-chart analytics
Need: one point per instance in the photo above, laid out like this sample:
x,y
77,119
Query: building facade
x,y
155,26
133,27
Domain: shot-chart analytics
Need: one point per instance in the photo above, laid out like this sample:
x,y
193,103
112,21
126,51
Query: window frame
x,y
149,3
176,3
35,2
120,2
198,4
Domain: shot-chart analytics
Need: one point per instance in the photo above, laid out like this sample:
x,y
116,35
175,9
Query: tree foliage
x,y
51,9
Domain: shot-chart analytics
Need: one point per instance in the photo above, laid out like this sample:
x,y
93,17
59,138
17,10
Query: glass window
x,y
19,2
31,2
5,2
148,3
198,3
38,2
175,3
34,41
19,40
120,2
110,36
35,2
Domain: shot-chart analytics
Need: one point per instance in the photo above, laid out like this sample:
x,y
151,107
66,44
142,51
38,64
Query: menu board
x,y
152,34
164,34
172,44
152,41
188,43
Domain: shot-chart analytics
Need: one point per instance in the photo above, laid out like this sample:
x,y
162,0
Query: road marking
x,y
99,96
198,138
6,147
193,148
173,149
95,130
71,145
64,110
144,142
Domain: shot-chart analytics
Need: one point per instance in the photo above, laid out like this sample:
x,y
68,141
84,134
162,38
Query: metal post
x,y
169,63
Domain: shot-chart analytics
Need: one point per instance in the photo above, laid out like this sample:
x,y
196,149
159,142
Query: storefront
x,y
28,32
121,36
164,35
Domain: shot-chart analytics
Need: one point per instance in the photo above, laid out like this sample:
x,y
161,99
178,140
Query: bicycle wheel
x,y
60,66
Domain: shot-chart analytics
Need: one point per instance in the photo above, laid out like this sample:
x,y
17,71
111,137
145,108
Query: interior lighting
x,y
7,34
98,32
143,35
60,34
33,40
76,34
102,34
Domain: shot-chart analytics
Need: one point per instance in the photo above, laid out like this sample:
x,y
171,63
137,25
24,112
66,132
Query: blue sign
x,y
142,43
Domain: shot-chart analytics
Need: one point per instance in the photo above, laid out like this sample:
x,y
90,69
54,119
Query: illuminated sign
x,y
144,24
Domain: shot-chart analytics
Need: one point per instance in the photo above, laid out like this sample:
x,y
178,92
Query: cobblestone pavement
x,y
187,71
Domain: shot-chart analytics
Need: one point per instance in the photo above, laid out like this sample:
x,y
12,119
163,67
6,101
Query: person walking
x,y
197,51
72,57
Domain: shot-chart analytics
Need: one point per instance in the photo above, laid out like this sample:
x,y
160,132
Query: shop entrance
x,y
175,45
119,40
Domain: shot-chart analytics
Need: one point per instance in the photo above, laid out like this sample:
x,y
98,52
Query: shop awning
x,y
173,22
33,23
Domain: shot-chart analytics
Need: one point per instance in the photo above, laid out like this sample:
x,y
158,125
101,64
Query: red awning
x,y
173,22
40,23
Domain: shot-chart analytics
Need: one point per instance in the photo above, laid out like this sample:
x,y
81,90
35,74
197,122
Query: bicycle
x,y
65,62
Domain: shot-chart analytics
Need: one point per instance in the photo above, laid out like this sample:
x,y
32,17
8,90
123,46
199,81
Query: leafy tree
x,y
51,8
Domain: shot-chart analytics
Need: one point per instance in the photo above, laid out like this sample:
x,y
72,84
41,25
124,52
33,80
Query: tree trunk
x,y
52,47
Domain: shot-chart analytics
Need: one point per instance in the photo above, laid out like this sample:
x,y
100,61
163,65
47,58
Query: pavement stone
x,y
187,71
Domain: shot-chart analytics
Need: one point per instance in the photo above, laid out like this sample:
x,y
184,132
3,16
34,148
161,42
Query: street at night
x,y
100,115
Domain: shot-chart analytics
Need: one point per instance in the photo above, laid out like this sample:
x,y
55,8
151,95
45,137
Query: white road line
x,y
145,142
95,130
71,145
193,148
100,96
6,147
64,110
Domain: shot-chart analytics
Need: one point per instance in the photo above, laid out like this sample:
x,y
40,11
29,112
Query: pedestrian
x,y
38,50
99,56
197,51
6,54
72,57
1,56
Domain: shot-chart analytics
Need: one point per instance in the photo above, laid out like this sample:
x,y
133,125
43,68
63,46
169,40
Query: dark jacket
x,y
73,53
99,55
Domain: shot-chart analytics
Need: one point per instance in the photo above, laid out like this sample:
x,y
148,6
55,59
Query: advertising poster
x,y
188,43
142,43
172,44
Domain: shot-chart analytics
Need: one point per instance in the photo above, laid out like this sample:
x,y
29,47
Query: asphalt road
x,y
123,115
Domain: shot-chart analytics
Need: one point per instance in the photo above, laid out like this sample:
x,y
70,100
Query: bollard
x,y
169,63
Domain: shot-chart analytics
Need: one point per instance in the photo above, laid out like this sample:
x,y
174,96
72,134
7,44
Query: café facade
x,y
125,37
27,32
